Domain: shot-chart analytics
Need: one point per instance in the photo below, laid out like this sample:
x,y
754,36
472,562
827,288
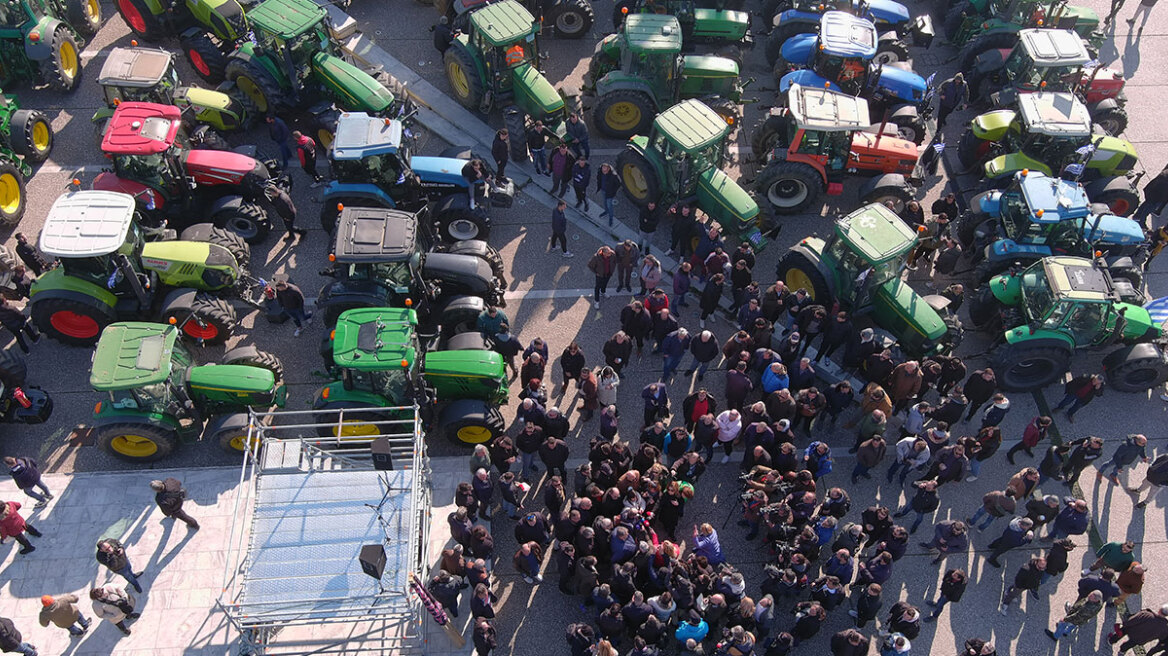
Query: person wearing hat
x,y
169,495
62,611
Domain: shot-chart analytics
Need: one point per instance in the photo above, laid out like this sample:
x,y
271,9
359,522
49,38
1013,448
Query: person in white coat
x,y
114,605
729,426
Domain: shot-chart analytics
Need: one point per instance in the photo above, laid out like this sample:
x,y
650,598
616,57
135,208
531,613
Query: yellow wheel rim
x,y
798,279
40,136
68,59
135,446
622,116
357,428
93,11
458,79
253,92
9,193
324,138
635,183
241,443
474,434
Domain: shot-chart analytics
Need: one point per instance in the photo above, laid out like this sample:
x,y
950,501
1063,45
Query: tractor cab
x,y
690,142
1076,297
869,247
507,35
141,367
296,30
826,124
1040,210
369,150
144,142
376,350
1051,127
845,46
650,50
377,247
1046,60
86,230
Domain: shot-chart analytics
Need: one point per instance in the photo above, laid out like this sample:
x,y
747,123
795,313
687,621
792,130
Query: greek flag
x,y
1075,169
1085,150
929,80
939,147
1092,64
1158,309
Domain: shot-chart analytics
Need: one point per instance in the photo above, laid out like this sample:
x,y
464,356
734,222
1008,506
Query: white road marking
x,y
548,293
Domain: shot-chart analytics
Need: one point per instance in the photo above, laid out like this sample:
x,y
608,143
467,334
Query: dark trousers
x,y
974,406
942,112
309,164
560,237
601,286
500,169
539,160
560,186
19,332
652,413
581,196
182,516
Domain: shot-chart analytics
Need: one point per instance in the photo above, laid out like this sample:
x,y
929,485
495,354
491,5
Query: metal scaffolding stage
x,y
294,583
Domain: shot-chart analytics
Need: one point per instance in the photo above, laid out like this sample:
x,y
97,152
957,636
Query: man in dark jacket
x,y
501,152
952,95
608,183
647,222
279,133
952,588
663,323
554,454
636,322
169,495
112,554
561,165
948,537
32,257
1028,578
979,388
18,324
12,641
617,351
1016,534
1155,479
27,475
1085,451
656,398
1141,628
838,332
291,301
738,386
1134,448
485,640
560,229
446,588
1078,393
673,349
867,604
581,176
1073,520
704,349
850,642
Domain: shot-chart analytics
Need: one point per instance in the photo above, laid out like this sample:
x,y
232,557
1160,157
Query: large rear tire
x,y
1113,120
133,442
1025,367
471,421
235,440
770,9
258,85
624,113
572,19
205,57
64,64
71,322
206,232
140,20
515,120
890,51
910,128
790,187
462,223
1117,193
12,195
249,221
767,134
13,368
31,135
84,16
728,110
1137,374
361,422
798,272
638,177
463,77
898,195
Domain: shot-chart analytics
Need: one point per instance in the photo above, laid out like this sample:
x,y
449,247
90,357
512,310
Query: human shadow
x,y
1131,55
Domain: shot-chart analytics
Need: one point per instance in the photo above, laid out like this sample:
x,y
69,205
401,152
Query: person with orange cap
x,y
63,611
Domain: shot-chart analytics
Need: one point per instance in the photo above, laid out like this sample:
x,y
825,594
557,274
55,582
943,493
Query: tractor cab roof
x,y
1077,279
135,67
139,128
844,35
359,135
1054,114
375,234
286,18
823,109
1058,199
653,33
1053,47
501,23
691,124
132,354
375,339
87,224
876,233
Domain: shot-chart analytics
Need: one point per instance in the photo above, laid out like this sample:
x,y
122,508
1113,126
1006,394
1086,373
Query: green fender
x,y
1007,289
102,114
1023,334
534,94
55,284
903,312
1139,322
620,81
992,126
42,48
338,394
107,414
352,89
1011,163
213,14
727,24
247,52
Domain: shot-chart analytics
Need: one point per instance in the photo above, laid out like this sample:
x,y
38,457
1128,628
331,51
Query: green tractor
x,y
571,19
976,26
495,63
379,361
724,28
109,272
1044,314
43,40
681,159
156,397
149,75
1051,133
859,266
26,138
293,65
208,30
640,70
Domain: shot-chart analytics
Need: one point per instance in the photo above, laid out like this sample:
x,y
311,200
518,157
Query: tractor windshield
x,y
393,274
1036,293
384,171
1015,214
848,72
162,92
393,384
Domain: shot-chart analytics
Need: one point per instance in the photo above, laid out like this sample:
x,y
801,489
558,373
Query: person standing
x,y
507,345
1156,191
627,257
711,295
949,536
18,324
578,136
572,364
581,175
279,133
306,150
1134,448
1156,477
650,274
12,641
169,494
1028,578
953,586
63,612
979,388
609,184
602,265
997,411
656,397
1018,533
1034,434
26,474
114,605
1141,628
31,257
446,588
560,168
647,221
1078,393
536,145
1086,450
952,95
1116,5
285,208
560,229
617,351
501,153
291,301
112,554
12,525
1082,611
924,502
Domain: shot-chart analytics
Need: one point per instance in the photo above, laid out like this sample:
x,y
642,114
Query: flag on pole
x,y
939,147
1085,150
1075,169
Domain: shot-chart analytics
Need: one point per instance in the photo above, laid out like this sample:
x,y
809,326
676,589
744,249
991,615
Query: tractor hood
x,y
1112,229
443,170
726,201
870,147
206,98
903,84
992,126
708,66
470,374
354,89
1140,324
908,316
535,95
887,11
1086,19
799,49
217,167
726,24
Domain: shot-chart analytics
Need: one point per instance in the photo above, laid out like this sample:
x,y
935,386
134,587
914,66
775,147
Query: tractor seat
x,y
939,303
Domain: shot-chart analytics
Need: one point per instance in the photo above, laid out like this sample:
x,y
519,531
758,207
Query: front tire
x,y
638,177
895,193
84,16
208,319
253,357
31,135
1023,368
573,19
221,237
1113,120
774,44
911,128
516,123
460,224
1138,374
769,133
133,442
205,57
790,187
12,196
257,84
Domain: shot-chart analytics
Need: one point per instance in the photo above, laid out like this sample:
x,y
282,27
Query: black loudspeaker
x,y
382,458
373,560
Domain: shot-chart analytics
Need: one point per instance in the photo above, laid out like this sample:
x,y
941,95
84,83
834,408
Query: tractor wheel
x,y
984,309
515,120
898,195
910,128
728,110
1132,274
1135,368
210,234
771,132
13,368
598,66
618,13
360,421
462,223
72,322
1113,120
211,319
1026,367
573,19
471,421
253,357
83,16
257,84
331,210
891,51
134,442
235,440
770,9
30,135
624,113
984,87
1117,193
11,193
64,65
463,77
484,251
971,151
141,21
638,177
774,43
954,17
790,187
798,272
995,41
205,57
249,221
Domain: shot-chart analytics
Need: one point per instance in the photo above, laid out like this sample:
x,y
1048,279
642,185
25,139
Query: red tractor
x,y
153,162
821,136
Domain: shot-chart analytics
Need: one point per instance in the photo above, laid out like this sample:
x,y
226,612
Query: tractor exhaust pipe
x,y
123,266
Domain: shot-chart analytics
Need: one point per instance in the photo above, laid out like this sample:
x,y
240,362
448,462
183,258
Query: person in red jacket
x,y
12,525
1034,434
306,150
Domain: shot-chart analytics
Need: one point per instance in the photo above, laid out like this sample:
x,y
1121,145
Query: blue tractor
x,y
373,167
1038,216
786,18
842,57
